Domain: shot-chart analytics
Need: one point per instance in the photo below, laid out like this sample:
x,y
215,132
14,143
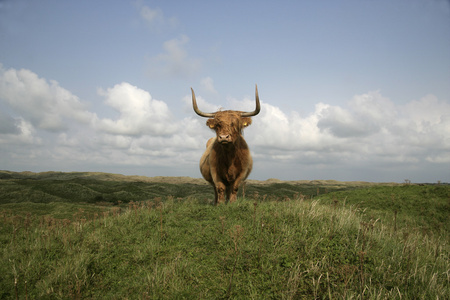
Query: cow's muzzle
x,y
224,139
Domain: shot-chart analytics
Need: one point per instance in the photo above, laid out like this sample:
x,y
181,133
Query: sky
x,y
350,90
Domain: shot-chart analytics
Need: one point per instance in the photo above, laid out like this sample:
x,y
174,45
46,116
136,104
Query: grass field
x,y
66,235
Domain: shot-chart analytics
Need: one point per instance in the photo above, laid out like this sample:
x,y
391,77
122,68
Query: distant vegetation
x,y
95,235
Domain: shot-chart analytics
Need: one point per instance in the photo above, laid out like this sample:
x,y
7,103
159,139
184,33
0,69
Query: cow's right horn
x,y
198,111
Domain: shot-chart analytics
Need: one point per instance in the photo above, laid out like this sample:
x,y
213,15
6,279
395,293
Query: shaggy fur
x,y
227,160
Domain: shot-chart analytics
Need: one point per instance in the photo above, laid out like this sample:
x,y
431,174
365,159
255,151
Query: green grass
x,y
425,208
92,191
46,189
279,242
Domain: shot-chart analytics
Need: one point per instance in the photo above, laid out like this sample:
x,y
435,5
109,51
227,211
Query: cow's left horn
x,y
198,111
257,109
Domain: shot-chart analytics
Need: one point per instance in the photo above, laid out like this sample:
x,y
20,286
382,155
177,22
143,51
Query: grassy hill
x,y
78,236
106,188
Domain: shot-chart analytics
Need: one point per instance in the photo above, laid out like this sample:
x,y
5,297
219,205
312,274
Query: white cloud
x,y
367,114
43,103
174,62
138,112
154,17
372,129
426,112
342,123
151,15
373,106
443,158
8,124
143,133
202,104
46,126
207,85
23,135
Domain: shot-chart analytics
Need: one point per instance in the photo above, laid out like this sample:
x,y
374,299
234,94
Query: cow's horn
x,y
198,111
258,106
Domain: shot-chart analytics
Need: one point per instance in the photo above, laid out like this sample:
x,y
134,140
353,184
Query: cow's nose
x,y
224,138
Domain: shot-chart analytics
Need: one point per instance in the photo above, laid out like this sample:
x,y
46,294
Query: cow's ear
x,y
246,121
210,123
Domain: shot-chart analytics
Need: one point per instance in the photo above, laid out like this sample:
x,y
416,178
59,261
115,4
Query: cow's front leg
x,y
234,190
215,195
233,193
220,193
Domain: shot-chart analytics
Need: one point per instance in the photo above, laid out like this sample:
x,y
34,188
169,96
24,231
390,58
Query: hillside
x,y
106,188
296,249
167,179
93,235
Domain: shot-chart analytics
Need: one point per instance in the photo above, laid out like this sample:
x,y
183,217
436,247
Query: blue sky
x,y
350,90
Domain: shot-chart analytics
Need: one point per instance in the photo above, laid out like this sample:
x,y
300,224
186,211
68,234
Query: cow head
x,y
228,124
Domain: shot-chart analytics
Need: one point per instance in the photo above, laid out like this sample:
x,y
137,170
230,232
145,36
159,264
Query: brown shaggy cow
x,y
227,160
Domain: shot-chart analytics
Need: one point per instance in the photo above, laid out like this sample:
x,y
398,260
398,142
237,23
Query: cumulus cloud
x,y
43,124
367,114
143,132
371,129
45,104
23,134
202,103
342,123
174,61
8,125
138,112
154,17
426,112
